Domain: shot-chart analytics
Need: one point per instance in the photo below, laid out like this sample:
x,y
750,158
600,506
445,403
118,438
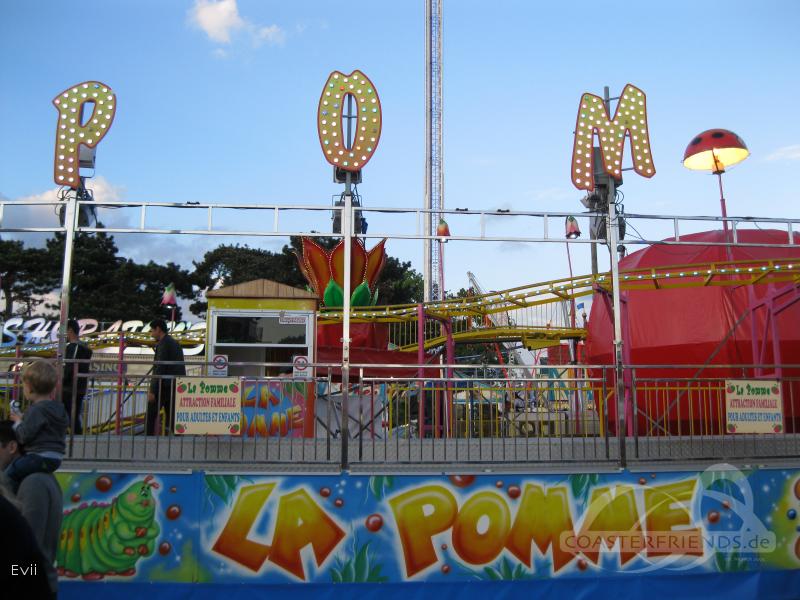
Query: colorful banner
x,y
262,529
753,406
208,405
274,408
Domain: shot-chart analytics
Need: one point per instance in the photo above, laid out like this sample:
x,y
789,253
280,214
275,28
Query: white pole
x,y
347,229
71,209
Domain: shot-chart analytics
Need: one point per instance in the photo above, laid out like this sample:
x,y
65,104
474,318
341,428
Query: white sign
x,y
753,406
300,368
219,366
208,406
293,319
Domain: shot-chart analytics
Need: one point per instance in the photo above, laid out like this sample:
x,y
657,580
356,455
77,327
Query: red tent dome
x,y
702,325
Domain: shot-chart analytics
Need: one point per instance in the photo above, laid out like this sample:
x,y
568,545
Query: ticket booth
x,y
261,321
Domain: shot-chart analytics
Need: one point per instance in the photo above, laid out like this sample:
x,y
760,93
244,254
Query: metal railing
x,y
683,417
438,417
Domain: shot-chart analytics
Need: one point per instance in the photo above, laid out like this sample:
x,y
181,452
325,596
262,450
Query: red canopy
x,y
692,326
369,356
368,347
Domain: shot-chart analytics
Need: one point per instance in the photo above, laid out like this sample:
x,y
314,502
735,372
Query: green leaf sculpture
x,y
333,296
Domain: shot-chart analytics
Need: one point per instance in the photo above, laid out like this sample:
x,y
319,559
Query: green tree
x,y
21,278
399,283
108,287
234,264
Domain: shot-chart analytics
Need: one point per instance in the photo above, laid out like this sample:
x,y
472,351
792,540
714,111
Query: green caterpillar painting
x,y
107,539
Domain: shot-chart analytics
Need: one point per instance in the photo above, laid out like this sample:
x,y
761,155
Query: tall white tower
x,y
434,179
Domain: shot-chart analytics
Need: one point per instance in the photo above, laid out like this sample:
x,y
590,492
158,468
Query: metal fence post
x,y
613,230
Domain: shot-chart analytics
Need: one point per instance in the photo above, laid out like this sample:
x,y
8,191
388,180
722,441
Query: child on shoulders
x,y
43,427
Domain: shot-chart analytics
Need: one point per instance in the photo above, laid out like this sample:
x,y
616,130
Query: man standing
x,y
41,502
76,350
162,389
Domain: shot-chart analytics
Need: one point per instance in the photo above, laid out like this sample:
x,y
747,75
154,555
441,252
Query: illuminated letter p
x,y
73,130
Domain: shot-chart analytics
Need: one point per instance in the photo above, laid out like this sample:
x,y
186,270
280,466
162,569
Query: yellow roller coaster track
x,y
463,313
728,274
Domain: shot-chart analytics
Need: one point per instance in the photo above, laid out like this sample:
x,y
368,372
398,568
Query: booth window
x,y
259,331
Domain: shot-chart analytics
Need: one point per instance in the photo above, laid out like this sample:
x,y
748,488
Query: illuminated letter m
x,y
630,118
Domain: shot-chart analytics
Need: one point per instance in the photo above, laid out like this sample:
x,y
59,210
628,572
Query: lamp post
x,y
715,150
573,232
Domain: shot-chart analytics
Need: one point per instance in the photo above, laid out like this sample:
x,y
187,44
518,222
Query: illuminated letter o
x,y
329,120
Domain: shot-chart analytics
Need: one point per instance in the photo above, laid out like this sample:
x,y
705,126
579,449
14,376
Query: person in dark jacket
x,y
43,427
22,566
40,501
76,350
162,389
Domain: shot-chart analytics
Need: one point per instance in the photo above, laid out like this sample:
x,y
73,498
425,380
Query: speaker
x,y
340,176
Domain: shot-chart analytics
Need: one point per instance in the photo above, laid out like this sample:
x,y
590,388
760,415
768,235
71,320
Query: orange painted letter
x,y
301,522
421,514
480,548
661,519
233,542
613,516
543,517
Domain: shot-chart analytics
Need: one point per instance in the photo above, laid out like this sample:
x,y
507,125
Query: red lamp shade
x,y
714,150
571,229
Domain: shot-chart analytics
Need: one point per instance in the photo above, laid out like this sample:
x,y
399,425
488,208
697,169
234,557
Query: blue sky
x,y
217,103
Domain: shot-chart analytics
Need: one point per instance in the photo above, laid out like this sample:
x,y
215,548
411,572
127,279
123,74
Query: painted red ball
x,y
462,480
338,503
103,483
76,498
173,512
164,548
325,492
713,516
513,492
374,522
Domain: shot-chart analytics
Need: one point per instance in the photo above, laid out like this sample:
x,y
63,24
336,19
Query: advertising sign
x,y
753,406
208,406
246,529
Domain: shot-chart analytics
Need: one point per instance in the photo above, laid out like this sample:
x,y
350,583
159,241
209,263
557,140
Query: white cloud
x,y
47,216
786,153
220,20
272,35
